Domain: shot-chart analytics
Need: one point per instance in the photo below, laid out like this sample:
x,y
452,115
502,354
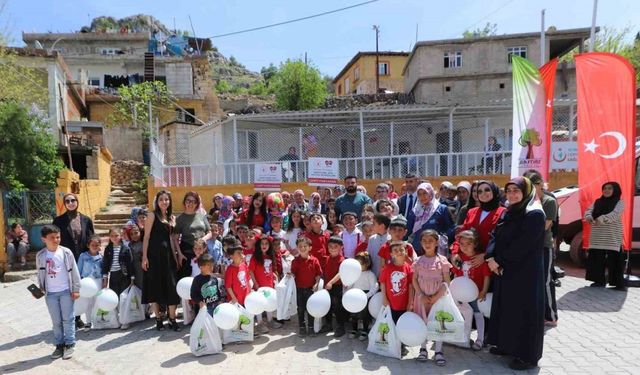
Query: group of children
x,y
229,267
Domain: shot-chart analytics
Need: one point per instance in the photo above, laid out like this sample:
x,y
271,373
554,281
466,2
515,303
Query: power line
x,y
292,21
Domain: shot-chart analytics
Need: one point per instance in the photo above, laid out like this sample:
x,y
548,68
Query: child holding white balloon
x,y
429,273
207,291
468,240
395,284
264,268
90,265
306,270
367,283
334,285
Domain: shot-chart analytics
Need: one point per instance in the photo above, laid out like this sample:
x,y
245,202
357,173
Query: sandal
x,y
476,346
160,324
174,325
422,357
439,358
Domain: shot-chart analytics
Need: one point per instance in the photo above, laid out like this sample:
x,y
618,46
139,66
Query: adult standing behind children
x,y
409,199
190,226
59,280
352,200
159,261
429,214
75,228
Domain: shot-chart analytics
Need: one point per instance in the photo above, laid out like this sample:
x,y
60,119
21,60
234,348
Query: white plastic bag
x,y
287,298
445,323
204,336
467,314
243,331
188,315
131,309
102,319
382,336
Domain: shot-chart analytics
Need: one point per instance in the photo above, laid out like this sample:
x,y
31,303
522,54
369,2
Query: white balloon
x,y
411,329
255,303
226,316
184,287
350,270
375,305
106,299
81,305
88,287
354,300
271,297
463,289
319,303
485,306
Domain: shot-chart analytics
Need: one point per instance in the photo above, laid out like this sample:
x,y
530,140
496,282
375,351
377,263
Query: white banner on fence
x,y
564,155
267,177
323,172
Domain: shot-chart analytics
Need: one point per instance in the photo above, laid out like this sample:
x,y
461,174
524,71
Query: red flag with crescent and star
x,y
606,132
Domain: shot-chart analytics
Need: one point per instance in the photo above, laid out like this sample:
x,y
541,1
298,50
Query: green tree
x,y
442,317
133,106
489,29
28,155
268,72
223,87
298,86
258,88
383,329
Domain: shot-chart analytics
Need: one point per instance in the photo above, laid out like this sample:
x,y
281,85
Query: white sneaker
x,y
124,326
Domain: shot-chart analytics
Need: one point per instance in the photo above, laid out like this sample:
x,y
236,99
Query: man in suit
x,y
408,200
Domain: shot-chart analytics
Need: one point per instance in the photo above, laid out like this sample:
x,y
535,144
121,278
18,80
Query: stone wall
x,y
125,143
355,101
123,172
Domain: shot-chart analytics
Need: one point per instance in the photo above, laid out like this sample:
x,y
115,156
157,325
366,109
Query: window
x,y
110,51
347,86
339,89
453,59
247,144
501,85
94,81
186,116
383,69
447,88
519,51
356,73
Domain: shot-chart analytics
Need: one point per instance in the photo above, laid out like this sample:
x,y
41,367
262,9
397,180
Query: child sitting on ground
x,y
306,270
395,284
429,273
90,265
481,274
367,283
206,290
59,280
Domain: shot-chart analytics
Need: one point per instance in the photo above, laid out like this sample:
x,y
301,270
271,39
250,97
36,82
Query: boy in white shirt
x,y
351,236
59,280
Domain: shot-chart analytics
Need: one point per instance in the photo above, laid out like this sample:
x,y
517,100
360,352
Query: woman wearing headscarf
x,y
471,203
217,205
483,219
315,204
605,239
516,327
75,228
429,214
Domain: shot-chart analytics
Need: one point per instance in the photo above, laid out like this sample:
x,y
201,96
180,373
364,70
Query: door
x,y
442,147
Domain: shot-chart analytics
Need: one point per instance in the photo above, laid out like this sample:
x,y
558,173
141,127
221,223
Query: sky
x,y
330,41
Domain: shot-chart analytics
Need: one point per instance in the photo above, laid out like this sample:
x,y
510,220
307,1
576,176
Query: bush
x,y
223,87
258,88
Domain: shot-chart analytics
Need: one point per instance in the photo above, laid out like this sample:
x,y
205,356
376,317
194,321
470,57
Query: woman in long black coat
x,y
516,327
75,228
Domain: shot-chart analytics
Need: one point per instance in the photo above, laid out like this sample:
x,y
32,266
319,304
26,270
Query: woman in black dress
x,y
159,261
516,327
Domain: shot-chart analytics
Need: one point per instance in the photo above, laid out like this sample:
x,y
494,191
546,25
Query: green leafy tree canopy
x,y
133,106
489,29
28,155
298,86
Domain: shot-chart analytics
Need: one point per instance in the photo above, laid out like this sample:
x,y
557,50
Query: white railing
x,y
375,167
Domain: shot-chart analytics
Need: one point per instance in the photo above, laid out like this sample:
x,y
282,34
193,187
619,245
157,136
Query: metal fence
x,y
370,143
31,209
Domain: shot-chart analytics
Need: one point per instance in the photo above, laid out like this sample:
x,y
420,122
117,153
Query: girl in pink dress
x,y
429,273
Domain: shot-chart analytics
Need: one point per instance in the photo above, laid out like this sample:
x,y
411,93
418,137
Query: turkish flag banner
x,y
548,73
606,93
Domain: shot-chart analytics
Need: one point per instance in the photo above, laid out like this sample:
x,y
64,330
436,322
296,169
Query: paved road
x,y
598,334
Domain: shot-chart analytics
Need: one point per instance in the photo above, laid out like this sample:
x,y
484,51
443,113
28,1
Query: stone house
x,y
359,75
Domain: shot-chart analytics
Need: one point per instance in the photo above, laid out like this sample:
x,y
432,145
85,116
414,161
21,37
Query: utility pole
x,y
592,36
543,57
305,58
377,30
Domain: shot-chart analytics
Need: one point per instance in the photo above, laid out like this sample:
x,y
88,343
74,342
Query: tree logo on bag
x,y
135,305
442,317
383,329
102,314
200,337
244,322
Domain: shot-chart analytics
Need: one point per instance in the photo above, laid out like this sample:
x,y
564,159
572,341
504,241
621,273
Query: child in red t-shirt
x,y
468,241
367,231
249,246
306,271
395,284
397,230
264,273
334,285
236,277
319,238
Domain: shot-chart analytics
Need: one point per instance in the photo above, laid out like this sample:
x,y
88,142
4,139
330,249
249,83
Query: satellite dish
x,y
38,45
